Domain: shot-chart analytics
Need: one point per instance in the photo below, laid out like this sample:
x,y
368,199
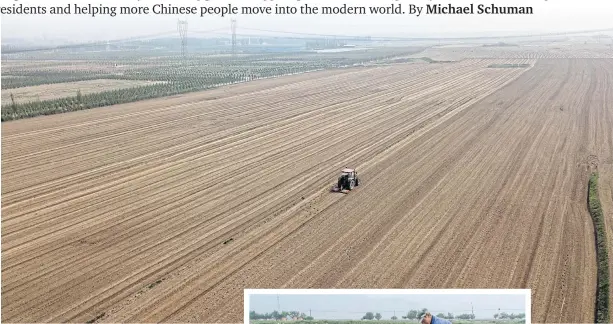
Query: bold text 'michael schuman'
x,y
438,9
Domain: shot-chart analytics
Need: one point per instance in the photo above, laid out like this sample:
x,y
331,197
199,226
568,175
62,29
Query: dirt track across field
x,y
165,210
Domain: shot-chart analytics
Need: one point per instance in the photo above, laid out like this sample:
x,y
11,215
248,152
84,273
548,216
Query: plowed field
x,y
164,210
552,51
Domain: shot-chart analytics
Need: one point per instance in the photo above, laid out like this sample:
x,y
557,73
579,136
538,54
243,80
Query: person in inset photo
x,y
428,318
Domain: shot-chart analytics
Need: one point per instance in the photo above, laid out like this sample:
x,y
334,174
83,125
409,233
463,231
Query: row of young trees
x,y
25,80
417,314
511,316
276,315
14,110
205,73
199,67
177,77
175,80
196,73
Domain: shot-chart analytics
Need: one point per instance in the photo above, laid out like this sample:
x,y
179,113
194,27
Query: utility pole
x,y
278,303
472,309
182,28
233,27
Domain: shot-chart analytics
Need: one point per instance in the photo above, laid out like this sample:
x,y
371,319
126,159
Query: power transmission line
x,y
212,31
354,37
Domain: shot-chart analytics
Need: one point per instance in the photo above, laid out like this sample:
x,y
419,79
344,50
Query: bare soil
x,y
456,53
470,178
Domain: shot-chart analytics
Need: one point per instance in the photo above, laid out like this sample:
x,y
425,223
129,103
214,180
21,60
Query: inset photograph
x,y
430,306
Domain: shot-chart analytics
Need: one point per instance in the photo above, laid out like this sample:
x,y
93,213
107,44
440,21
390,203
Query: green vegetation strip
x,y
602,291
13,111
29,79
429,60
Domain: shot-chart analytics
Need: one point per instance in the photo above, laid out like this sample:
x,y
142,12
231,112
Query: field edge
x,y
601,311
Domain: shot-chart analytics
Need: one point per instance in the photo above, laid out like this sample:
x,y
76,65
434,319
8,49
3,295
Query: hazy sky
x,y
355,306
550,15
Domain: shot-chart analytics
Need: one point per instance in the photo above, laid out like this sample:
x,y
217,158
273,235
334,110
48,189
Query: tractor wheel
x,y
357,182
351,185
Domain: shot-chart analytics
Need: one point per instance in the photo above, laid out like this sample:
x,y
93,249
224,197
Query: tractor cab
x,y
350,173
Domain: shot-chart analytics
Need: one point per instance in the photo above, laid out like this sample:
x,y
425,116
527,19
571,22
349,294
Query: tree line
x,y
417,314
511,316
173,85
276,315
175,76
